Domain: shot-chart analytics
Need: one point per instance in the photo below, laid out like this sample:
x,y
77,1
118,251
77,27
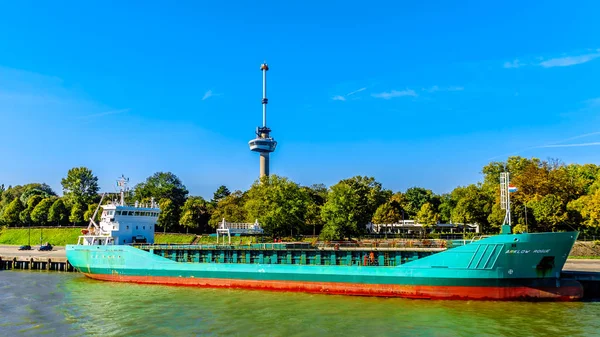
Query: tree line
x,y
550,196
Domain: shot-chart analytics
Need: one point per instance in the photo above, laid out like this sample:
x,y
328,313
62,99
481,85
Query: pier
x,y
54,260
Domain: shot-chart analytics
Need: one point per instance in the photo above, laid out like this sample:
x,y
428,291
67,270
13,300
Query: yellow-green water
x,y
68,304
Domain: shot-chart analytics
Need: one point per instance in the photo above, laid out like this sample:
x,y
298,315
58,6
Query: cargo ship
x,y
501,267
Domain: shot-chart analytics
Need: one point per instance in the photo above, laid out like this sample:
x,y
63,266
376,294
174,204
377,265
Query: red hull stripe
x,y
566,293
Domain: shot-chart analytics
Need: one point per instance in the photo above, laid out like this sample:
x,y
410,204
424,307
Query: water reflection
x,y
70,304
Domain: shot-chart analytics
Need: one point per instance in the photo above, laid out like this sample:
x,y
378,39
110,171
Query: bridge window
x,y
130,213
136,227
118,212
144,227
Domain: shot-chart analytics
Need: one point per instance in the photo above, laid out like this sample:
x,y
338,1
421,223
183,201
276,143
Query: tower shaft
x,y
264,164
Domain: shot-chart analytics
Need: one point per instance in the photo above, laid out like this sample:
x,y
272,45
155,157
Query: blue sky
x,y
412,93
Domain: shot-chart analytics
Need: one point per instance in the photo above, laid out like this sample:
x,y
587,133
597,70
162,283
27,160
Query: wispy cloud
x,y
437,88
562,61
356,91
343,97
207,95
513,64
569,60
105,113
594,102
395,93
557,144
572,145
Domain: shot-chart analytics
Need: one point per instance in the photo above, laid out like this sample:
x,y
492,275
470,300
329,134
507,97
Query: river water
x,y
68,304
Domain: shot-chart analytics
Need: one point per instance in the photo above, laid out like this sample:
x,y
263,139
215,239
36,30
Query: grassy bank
x,y
56,236
174,238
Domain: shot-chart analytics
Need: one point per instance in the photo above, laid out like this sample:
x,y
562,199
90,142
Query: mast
x,y
505,190
122,186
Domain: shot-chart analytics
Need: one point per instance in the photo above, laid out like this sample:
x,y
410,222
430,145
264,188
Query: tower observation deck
x,y
263,143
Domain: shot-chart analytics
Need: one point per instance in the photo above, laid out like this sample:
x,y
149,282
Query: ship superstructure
x,y
121,223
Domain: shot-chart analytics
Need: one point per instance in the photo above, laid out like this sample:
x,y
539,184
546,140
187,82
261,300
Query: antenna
x,y
122,183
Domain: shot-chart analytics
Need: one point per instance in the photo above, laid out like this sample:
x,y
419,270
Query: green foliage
x,y
58,213
445,207
195,214
415,198
25,215
427,215
388,213
549,211
10,216
350,205
278,204
169,214
91,208
162,185
588,207
220,194
341,212
44,191
472,206
80,186
317,195
39,215
76,216
231,208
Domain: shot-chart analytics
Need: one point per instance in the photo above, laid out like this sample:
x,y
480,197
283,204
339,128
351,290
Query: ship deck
x,y
292,254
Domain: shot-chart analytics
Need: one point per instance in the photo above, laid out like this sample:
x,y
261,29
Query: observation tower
x,y
263,143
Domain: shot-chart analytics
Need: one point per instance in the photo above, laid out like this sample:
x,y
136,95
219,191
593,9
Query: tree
x,y
549,211
87,215
342,213
39,215
388,213
231,208
472,206
11,213
414,198
80,186
278,204
194,214
41,191
76,216
427,215
317,195
220,194
162,185
445,208
169,214
590,210
350,206
25,215
17,191
58,213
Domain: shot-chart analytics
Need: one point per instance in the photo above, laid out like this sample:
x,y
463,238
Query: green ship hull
x,y
501,267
